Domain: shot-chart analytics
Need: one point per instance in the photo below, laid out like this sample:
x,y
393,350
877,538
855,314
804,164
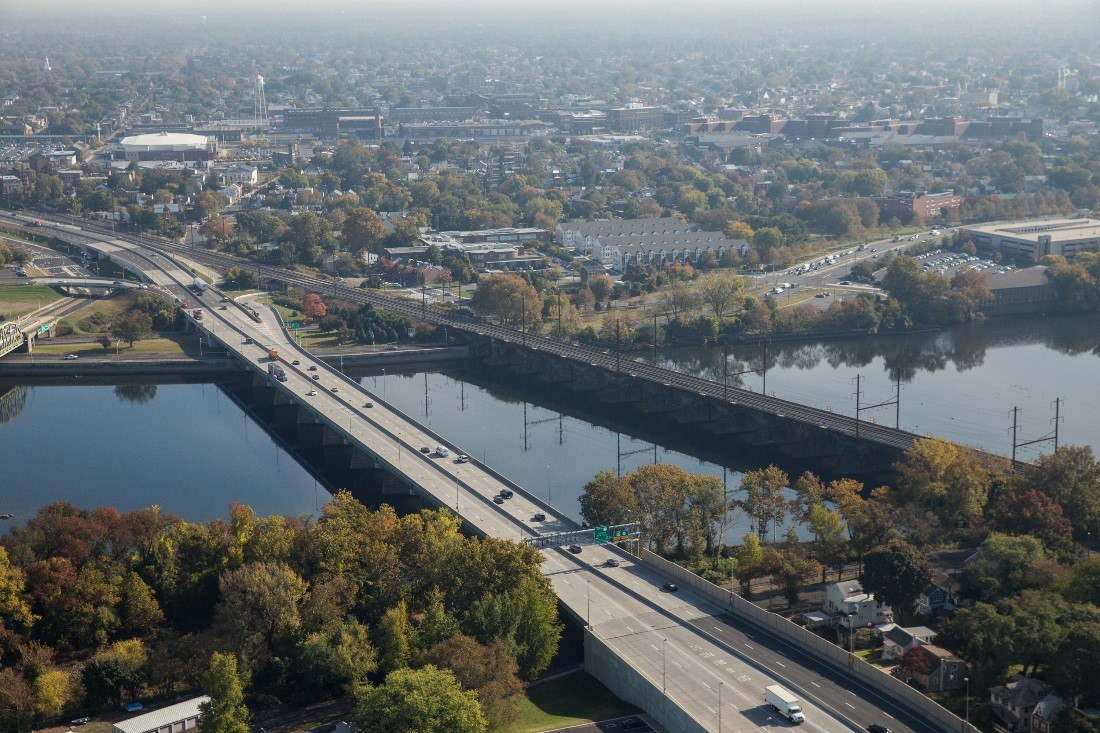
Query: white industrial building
x,y
1034,240
167,146
182,716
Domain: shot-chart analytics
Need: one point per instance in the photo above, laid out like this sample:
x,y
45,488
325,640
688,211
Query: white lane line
x,y
781,665
853,707
814,684
750,646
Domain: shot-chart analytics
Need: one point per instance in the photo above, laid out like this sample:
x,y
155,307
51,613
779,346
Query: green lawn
x,y
571,700
100,310
174,345
18,300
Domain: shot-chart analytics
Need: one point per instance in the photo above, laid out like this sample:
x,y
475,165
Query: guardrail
x,y
807,642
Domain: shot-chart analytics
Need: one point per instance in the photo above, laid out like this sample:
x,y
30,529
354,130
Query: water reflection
x,y
12,401
138,393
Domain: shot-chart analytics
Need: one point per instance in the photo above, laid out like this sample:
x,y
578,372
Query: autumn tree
x,y
363,229
913,664
945,478
487,669
425,700
983,637
508,298
764,499
601,287
721,292
394,639
225,712
896,574
115,673
313,307
607,499
15,607
1071,476
260,603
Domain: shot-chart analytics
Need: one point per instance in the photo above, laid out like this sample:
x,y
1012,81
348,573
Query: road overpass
x,y
689,659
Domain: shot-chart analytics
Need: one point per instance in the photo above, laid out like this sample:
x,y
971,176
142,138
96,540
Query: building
x,y
182,716
329,121
1033,240
945,670
1013,703
10,185
897,641
1043,715
635,117
1027,290
581,235
918,208
490,131
852,608
937,597
659,250
167,146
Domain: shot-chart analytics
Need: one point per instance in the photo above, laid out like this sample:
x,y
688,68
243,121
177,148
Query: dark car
x,y
334,389
670,587
878,728
295,362
316,377
80,721
507,494
575,549
425,450
368,404
540,517
498,500
612,562
312,368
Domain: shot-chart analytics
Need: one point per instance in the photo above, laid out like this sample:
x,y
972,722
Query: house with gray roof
x,y
182,716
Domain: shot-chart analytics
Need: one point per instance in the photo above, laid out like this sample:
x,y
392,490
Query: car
x,y
540,517
311,393
368,404
425,450
117,282
224,299
80,721
247,340
312,368
877,728
498,500
845,282
632,724
612,562
333,389
462,458
575,549
506,493
71,356
670,587
224,308
316,377
391,348
442,451
295,362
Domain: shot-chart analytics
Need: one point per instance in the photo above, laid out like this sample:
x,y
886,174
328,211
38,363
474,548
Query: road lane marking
x,y
750,647
814,684
853,707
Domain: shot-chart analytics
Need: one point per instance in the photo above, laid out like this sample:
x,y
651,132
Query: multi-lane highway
x,y
684,644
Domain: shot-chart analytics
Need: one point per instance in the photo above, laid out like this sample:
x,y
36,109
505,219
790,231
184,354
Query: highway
x,y
681,642
812,416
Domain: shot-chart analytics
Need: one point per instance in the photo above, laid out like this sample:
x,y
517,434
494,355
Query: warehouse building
x,y
1033,240
182,716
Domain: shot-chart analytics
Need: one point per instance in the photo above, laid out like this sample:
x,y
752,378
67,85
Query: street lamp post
x,y
549,488
664,665
588,596
721,684
967,718
383,382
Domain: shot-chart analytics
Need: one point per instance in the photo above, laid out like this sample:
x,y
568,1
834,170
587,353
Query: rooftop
x,y
163,717
1059,230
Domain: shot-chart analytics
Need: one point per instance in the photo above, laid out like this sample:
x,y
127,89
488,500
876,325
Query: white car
x,y
71,356
311,393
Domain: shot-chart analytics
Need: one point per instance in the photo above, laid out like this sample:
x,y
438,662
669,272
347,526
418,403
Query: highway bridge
x,y
688,658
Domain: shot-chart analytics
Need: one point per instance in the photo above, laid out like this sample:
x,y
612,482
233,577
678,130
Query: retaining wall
x,y
629,684
813,644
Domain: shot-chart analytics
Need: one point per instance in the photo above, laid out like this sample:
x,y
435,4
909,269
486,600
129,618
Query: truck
x,y
785,703
276,371
273,354
198,285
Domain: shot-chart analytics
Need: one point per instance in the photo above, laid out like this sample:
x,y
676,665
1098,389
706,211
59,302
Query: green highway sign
x,y
43,329
600,534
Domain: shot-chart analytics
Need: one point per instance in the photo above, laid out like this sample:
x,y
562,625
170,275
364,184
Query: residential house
x,y
898,640
1043,714
231,193
851,608
11,184
945,670
1013,703
937,597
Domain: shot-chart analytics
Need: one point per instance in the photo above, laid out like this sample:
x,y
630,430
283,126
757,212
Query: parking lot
x,y
950,264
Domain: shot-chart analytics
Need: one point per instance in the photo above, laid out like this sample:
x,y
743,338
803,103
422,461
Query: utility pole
x,y
725,371
1057,420
857,406
559,315
654,339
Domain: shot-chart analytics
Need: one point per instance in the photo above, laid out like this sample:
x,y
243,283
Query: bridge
x,y
697,660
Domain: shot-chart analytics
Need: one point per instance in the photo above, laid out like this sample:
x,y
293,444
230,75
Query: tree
x,y
131,326
1072,668
830,546
207,204
139,611
218,230
508,298
607,499
1071,476
896,574
981,636
313,307
115,673
677,298
764,499
260,603
487,669
363,229
944,478
913,664
104,341
601,287
750,558
15,609
1004,565
426,700
721,292
225,712
394,639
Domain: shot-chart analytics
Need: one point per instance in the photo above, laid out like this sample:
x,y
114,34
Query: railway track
x,y
610,361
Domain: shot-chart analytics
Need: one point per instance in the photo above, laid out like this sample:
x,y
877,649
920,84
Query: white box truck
x,y
785,703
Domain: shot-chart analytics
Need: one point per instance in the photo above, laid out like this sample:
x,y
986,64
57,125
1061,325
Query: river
x,y
191,450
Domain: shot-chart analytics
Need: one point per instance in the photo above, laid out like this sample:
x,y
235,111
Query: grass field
x,y
175,345
576,698
19,300
103,310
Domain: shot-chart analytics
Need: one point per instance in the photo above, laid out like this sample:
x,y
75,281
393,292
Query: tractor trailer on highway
x,y
785,703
